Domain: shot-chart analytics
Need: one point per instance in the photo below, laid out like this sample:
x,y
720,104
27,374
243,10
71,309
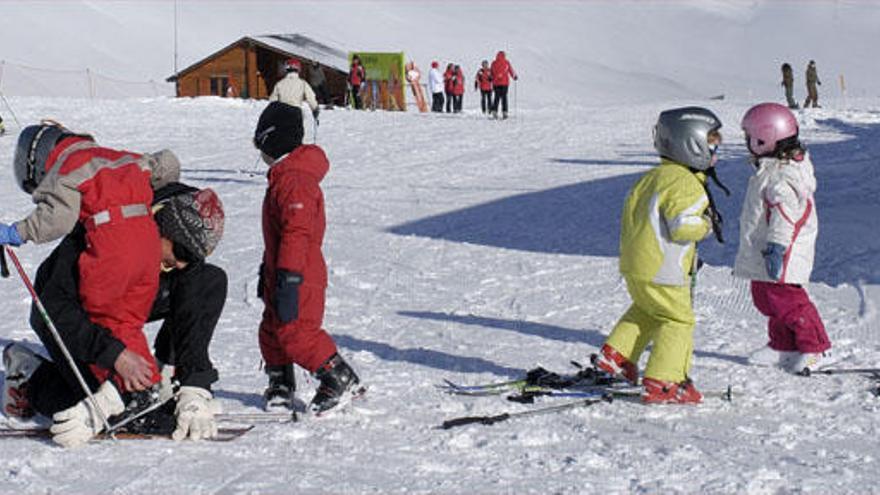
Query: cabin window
x,y
219,85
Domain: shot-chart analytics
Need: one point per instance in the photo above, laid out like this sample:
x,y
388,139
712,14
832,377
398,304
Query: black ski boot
x,y
145,413
279,394
338,381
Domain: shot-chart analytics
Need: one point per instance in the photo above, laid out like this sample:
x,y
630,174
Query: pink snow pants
x,y
795,324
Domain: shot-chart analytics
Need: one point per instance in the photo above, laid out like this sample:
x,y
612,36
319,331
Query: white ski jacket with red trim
x,y
779,207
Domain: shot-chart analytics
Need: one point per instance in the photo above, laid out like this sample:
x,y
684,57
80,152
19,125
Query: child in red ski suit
x,y
294,275
72,179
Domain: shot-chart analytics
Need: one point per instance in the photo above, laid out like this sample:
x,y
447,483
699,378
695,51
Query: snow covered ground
x,y
474,250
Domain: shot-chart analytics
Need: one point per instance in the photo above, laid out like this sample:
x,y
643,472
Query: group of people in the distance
x,y
812,80
134,249
670,209
492,81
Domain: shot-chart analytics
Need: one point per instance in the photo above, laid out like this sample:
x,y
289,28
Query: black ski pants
x,y
485,100
437,102
500,96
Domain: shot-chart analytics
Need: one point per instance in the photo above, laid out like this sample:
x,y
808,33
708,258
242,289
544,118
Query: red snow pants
x,y
301,341
118,282
795,324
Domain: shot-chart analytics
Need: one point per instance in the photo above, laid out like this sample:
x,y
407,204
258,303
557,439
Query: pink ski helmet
x,y
766,126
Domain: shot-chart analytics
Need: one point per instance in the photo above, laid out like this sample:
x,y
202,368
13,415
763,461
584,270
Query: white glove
x,y
76,425
195,414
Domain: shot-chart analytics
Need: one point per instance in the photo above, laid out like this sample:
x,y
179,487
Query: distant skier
x,y
788,84
458,89
666,213
778,228
357,77
2,127
448,86
502,71
483,82
435,86
293,90
318,82
190,299
812,81
293,275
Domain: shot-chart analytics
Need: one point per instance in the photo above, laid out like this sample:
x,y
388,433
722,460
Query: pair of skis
x,y
589,386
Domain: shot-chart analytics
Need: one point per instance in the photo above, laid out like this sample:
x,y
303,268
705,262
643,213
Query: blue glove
x,y
9,235
287,295
773,256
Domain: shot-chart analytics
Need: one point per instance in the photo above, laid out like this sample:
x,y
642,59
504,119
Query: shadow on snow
x,y
583,218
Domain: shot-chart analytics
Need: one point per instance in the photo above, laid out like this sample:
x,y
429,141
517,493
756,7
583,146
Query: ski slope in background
x,y
589,52
474,250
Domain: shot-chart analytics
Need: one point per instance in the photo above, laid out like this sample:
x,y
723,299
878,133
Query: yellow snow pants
x,y
661,315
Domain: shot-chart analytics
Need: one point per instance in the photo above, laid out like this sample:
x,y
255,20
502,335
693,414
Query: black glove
x,y
315,113
287,295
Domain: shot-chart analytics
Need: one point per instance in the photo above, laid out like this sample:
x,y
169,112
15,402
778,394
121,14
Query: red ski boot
x,y
613,362
660,392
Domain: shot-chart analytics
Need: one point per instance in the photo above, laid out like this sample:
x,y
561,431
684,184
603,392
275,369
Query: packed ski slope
x,y
473,250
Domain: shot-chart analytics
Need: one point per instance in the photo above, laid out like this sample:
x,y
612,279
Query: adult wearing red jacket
x,y
448,85
293,274
502,71
457,89
483,82
357,76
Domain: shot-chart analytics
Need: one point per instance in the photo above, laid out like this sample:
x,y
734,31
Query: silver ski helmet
x,y
35,142
681,135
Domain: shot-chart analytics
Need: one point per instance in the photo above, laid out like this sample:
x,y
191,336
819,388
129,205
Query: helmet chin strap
x,y
712,210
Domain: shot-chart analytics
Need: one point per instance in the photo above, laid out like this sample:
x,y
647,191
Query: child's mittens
x,y
773,256
9,235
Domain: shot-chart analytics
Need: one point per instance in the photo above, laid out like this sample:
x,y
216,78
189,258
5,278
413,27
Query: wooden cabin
x,y
250,67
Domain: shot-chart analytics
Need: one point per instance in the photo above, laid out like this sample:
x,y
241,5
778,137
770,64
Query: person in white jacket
x,y
435,85
293,90
778,227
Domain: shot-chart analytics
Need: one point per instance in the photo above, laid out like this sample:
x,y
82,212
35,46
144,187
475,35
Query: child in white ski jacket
x,y
778,228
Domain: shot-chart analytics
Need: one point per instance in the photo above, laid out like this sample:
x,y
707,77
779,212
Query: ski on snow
x,y
497,418
224,434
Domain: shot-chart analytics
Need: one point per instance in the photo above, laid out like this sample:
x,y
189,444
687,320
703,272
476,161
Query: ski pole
x,y
54,331
491,420
4,268
9,107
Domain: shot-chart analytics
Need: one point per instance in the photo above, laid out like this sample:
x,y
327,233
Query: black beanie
x,y
280,129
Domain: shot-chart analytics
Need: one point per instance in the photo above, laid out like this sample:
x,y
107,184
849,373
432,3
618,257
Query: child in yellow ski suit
x,y
666,212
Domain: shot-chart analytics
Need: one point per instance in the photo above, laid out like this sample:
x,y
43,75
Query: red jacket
x,y
483,80
293,218
356,75
458,83
448,83
502,71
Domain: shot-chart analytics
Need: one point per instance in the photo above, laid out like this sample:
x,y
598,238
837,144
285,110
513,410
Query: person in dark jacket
x,y
483,82
189,302
788,84
318,82
812,81
293,275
